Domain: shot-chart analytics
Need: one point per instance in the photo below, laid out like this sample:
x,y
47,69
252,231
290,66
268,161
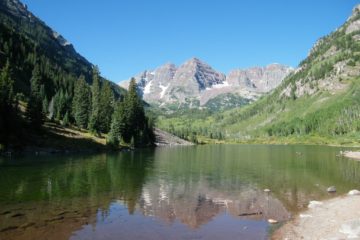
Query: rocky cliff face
x,y
196,81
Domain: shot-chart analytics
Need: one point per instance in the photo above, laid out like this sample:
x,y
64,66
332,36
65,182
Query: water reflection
x,y
189,192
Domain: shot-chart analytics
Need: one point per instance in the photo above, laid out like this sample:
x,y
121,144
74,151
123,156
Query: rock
x,y
351,229
354,192
267,190
166,84
331,189
272,221
314,204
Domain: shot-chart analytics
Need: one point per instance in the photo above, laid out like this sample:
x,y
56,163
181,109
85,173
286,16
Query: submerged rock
x,y
331,189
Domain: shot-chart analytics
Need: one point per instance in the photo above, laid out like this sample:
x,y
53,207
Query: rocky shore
x,y
338,218
166,139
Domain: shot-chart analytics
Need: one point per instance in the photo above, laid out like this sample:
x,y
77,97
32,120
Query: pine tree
x,y
118,126
35,108
8,113
137,124
106,107
65,121
81,105
134,112
94,125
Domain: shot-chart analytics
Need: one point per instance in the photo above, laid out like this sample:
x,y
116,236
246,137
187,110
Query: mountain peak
x,y
195,61
354,21
356,10
195,80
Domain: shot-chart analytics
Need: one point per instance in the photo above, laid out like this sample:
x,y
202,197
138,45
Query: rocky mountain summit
x,y
194,83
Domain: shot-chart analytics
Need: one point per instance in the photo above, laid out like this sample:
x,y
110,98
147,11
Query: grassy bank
x,y
55,138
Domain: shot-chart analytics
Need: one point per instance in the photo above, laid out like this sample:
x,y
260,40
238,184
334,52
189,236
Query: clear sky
x,y
124,37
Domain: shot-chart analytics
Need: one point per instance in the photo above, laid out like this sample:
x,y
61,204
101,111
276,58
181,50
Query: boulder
x,y
354,192
331,189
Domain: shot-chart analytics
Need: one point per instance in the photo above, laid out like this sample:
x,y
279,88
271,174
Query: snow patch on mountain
x,y
219,85
147,88
163,90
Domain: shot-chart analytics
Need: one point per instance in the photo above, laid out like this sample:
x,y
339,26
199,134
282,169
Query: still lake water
x,y
198,192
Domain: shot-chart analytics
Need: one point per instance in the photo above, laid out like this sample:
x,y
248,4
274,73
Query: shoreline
x,y
352,154
336,218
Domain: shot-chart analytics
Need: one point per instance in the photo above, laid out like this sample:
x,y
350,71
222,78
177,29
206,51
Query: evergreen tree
x,y
137,125
65,121
81,105
106,107
129,122
94,124
134,113
8,113
35,112
118,126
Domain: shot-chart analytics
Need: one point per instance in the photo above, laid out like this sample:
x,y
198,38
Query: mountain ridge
x,y
197,82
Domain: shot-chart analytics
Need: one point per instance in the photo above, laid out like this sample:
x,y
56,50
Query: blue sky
x,y
124,37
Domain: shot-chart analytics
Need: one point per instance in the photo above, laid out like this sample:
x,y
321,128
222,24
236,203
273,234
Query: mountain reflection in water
x,y
213,191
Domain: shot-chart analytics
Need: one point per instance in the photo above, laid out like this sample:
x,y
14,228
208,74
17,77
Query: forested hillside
x,y
44,79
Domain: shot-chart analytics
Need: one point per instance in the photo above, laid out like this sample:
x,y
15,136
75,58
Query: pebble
x,y
267,190
272,221
314,204
331,189
354,192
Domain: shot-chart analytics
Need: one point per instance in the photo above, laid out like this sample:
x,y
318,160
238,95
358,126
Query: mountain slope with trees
x,y
43,79
318,103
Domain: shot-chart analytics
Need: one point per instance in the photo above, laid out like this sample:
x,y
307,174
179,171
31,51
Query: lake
x,y
196,192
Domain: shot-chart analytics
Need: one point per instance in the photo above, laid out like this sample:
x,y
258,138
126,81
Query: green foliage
x,y
94,122
66,120
54,89
118,126
34,109
129,122
9,120
225,102
106,107
81,105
